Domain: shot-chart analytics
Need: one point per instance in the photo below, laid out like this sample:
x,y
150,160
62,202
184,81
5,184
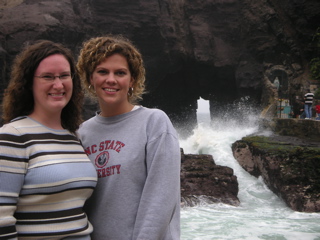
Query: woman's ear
x,y
131,82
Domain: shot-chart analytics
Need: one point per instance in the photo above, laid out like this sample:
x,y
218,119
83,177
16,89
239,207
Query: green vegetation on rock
x,y
298,165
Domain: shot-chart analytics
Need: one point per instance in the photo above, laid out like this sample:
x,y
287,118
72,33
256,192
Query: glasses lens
x,y
48,78
65,77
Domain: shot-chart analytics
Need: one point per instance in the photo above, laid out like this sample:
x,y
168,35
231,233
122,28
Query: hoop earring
x,y
130,92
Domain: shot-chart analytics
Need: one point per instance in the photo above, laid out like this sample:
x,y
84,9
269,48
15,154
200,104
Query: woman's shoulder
x,y
157,118
14,129
14,125
154,115
156,112
87,122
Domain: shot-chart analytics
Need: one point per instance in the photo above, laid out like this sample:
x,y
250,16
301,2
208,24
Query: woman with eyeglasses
x,y
45,175
135,149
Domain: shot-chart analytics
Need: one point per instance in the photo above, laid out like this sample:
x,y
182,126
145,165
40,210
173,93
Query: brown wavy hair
x,y
18,98
95,50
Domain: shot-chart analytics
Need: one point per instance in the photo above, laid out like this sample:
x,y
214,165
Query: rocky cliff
x,y
289,166
221,50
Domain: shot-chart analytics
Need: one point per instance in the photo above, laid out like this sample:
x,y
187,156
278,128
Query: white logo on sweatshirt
x,y
102,159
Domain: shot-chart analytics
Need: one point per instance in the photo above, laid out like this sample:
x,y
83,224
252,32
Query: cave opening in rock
x,y
203,111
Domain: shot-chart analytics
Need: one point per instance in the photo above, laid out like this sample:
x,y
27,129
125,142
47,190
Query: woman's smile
x,y
112,80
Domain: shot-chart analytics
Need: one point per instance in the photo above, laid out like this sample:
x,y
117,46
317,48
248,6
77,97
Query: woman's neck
x,y
107,111
52,121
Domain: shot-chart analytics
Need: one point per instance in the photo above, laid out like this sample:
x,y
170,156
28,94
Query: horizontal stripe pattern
x,y
45,178
308,98
8,232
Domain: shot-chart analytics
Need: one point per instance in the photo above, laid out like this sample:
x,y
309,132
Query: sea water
x,y
261,214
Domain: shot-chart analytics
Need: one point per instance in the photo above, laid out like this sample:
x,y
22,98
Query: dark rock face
x,y
203,180
219,50
289,166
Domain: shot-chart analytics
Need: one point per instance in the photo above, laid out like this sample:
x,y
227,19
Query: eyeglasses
x,y
51,78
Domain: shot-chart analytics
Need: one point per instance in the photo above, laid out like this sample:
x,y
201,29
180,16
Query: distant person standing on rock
x,y
308,100
318,111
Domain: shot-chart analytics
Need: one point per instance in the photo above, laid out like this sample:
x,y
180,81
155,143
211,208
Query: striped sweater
x,y
45,178
308,98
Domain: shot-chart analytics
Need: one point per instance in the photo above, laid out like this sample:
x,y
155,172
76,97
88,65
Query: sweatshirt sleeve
x,y
160,200
12,172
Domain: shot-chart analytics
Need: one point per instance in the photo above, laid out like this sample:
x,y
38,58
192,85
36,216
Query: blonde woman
x,y
135,149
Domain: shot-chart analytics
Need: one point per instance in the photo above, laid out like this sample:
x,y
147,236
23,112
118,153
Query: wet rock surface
x,y
202,181
289,166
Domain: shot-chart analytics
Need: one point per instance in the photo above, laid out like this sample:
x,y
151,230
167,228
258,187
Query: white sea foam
x,y
261,214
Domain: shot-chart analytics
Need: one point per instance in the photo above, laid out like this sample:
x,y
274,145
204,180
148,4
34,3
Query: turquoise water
x,y
261,214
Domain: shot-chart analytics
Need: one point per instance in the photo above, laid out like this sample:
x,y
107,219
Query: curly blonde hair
x,y
95,50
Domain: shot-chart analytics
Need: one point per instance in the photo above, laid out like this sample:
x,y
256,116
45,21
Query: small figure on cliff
x,y
308,100
298,108
318,111
301,109
45,175
135,149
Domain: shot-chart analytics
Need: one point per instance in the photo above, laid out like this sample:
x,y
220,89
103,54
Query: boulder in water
x,y
204,182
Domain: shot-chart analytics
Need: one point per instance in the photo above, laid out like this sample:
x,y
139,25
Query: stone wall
x,y
301,128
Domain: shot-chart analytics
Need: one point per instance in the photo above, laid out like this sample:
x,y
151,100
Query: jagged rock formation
x,y
204,181
219,50
289,166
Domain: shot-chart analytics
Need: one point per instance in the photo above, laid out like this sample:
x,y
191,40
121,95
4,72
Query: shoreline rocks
x,y
289,166
202,181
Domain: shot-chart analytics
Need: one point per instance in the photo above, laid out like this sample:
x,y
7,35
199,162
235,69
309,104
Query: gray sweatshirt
x,y
137,158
